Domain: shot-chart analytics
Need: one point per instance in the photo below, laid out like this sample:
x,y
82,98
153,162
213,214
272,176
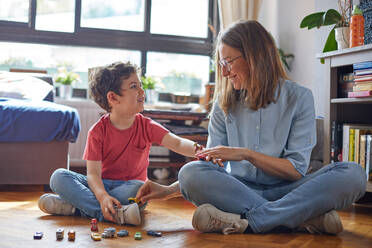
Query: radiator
x,y
89,113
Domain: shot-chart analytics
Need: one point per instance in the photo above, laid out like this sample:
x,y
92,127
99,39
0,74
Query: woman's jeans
x,y
73,188
335,186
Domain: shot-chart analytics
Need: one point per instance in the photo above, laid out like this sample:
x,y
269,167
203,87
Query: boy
x,y
117,152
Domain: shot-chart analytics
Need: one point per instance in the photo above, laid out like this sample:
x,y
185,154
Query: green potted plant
x,y
340,20
65,78
148,84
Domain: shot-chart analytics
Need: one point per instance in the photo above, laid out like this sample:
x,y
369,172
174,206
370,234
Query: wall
x,y
282,18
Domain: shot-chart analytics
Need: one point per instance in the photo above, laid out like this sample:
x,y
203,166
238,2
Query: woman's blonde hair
x,y
264,67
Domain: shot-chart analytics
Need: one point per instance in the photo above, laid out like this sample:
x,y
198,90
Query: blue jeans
x,y
73,188
334,186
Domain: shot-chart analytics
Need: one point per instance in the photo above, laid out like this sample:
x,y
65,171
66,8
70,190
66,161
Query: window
x,y
113,14
15,10
27,56
168,39
179,17
55,15
179,73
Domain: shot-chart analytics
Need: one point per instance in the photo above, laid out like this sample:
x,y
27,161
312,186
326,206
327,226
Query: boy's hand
x,y
107,207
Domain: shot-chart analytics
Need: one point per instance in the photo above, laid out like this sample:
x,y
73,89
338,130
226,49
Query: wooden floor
x,y
20,218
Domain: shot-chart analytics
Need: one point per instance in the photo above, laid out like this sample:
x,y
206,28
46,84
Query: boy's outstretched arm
x,y
107,202
180,145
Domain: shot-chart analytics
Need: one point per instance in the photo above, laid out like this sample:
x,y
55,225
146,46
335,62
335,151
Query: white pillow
x,y
16,85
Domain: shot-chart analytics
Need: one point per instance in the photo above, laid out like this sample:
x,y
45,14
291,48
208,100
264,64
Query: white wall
x,y
282,19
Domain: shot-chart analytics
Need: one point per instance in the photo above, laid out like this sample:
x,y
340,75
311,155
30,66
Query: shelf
x,y
365,100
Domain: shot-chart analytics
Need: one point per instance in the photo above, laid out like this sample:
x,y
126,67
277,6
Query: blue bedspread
x,y
37,121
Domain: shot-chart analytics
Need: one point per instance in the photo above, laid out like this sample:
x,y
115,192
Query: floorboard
x,y
20,218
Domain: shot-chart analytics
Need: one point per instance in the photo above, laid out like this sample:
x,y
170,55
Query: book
x,y
363,72
362,150
351,145
364,93
361,87
362,65
345,137
368,155
356,144
363,78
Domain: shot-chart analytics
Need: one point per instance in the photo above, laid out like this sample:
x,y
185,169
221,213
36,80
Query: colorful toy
x,y
93,225
71,235
138,236
95,236
38,235
60,233
122,233
153,233
135,200
109,232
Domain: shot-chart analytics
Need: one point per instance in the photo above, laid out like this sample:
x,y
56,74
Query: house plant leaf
x,y
312,20
331,17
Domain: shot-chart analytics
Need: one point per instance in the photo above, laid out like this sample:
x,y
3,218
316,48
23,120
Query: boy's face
x,y
132,95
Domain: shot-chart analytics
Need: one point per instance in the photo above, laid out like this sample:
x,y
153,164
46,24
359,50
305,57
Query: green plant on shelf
x,y
66,77
148,83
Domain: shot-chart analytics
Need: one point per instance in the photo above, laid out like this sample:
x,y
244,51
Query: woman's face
x,y
233,66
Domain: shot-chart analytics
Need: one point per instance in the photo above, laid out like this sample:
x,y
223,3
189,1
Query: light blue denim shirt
x,y
285,129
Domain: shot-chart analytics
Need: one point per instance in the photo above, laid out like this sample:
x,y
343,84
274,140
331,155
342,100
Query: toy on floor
x,y
38,235
60,233
135,200
138,236
93,225
71,235
153,233
95,236
122,233
109,232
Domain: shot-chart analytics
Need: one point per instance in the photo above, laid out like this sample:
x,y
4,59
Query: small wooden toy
x,y
95,236
122,233
71,235
38,235
153,233
134,200
60,233
138,236
93,225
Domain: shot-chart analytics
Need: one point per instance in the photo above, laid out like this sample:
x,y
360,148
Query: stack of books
x,y
353,143
362,80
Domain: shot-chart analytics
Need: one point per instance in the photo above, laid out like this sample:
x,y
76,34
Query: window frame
x,y
115,39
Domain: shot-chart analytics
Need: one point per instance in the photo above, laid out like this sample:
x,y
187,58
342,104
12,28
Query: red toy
x,y
94,226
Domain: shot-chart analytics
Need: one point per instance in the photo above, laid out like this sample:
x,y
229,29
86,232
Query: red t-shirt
x,y
124,153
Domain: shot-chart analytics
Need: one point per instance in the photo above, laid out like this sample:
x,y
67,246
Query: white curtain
x,y
234,10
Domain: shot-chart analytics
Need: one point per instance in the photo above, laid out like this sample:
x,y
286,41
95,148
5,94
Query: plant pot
x,y
152,96
65,91
342,36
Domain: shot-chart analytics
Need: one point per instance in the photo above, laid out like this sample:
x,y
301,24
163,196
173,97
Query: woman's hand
x,y
151,190
219,154
107,206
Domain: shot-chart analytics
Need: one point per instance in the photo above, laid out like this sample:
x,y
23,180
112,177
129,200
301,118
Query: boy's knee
x,y
55,178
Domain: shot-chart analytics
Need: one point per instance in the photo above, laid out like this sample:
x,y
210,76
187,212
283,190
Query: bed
x,y
34,137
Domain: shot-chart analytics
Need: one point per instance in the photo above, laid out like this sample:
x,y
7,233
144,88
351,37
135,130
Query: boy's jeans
x,y
73,188
289,204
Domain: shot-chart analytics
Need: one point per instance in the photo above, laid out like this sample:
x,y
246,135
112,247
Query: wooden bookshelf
x,y
345,110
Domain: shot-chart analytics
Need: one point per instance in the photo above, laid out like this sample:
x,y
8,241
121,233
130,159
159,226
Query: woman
x,y
261,134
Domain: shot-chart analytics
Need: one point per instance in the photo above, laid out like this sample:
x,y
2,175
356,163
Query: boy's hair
x,y
109,78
